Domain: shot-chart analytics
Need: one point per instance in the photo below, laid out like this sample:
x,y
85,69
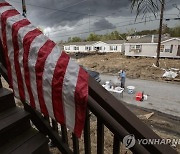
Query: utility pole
x,y
160,32
24,8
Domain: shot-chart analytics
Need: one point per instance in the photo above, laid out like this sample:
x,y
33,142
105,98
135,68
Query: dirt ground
x,y
165,126
135,67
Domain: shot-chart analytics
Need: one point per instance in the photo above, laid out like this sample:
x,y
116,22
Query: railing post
x,y
64,134
100,136
87,139
116,145
75,144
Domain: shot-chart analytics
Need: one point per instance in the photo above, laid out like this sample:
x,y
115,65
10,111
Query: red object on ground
x,y
139,96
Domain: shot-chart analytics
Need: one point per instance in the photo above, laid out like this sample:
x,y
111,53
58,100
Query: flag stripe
x,y
57,84
69,85
4,4
27,40
40,73
42,56
21,33
15,28
4,17
10,50
81,101
35,46
48,73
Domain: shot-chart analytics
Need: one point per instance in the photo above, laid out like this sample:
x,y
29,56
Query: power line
x,y
78,25
61,10
56,31
103,29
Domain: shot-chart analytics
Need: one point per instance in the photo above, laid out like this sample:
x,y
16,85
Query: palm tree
x,y
146,6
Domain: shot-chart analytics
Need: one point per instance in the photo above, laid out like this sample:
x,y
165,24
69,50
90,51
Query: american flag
x,y
40,73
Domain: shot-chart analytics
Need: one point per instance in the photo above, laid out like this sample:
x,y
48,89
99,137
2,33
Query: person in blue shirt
x,y
122,76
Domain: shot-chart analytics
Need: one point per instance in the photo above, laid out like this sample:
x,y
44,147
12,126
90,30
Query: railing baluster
x,y
75,144
64,134
45,128
55,125
116,145
55,128
47,119
0,82
87,138
100,136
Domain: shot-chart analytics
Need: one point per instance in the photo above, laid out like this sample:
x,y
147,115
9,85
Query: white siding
x,y
167,45
149,49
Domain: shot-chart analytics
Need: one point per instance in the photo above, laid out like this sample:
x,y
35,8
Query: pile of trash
x,y
172,73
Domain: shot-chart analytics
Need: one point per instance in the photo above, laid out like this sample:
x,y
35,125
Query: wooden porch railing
x,y
109,112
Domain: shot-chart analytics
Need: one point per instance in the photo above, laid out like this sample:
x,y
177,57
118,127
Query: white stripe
x,y
36,44
69,85
3,9
21,33
9,23
48,73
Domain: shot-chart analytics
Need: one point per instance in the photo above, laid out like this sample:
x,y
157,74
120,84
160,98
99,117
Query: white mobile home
x,y
79,46
147,46
106,46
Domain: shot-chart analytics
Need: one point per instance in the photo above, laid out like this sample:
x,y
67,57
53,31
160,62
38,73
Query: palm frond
x,y
145,6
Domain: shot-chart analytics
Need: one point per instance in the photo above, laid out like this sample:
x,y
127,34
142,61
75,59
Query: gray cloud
x,y
103,24
103,14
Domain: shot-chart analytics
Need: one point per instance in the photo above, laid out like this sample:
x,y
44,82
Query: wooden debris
x,y
146,116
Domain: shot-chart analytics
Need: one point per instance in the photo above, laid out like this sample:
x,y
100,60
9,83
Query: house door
x,y
178,51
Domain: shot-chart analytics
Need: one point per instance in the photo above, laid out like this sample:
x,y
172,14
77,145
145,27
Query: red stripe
x,y
5,15
15,28
42,56
29,37
57,84
4,4
81,96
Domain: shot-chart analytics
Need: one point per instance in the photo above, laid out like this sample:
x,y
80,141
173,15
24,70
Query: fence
x,y
109,112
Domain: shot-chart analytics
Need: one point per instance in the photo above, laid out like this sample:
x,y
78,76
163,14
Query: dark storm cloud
x,y
68,12
76,14
103,24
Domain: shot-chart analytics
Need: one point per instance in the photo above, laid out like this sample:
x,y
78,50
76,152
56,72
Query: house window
x,y
161,48
115,48
111,48
88,48
76,48
135,48
167,49
138,46
132,46
67,48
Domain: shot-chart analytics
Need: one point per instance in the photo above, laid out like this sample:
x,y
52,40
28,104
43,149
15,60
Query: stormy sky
x,y
61,19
